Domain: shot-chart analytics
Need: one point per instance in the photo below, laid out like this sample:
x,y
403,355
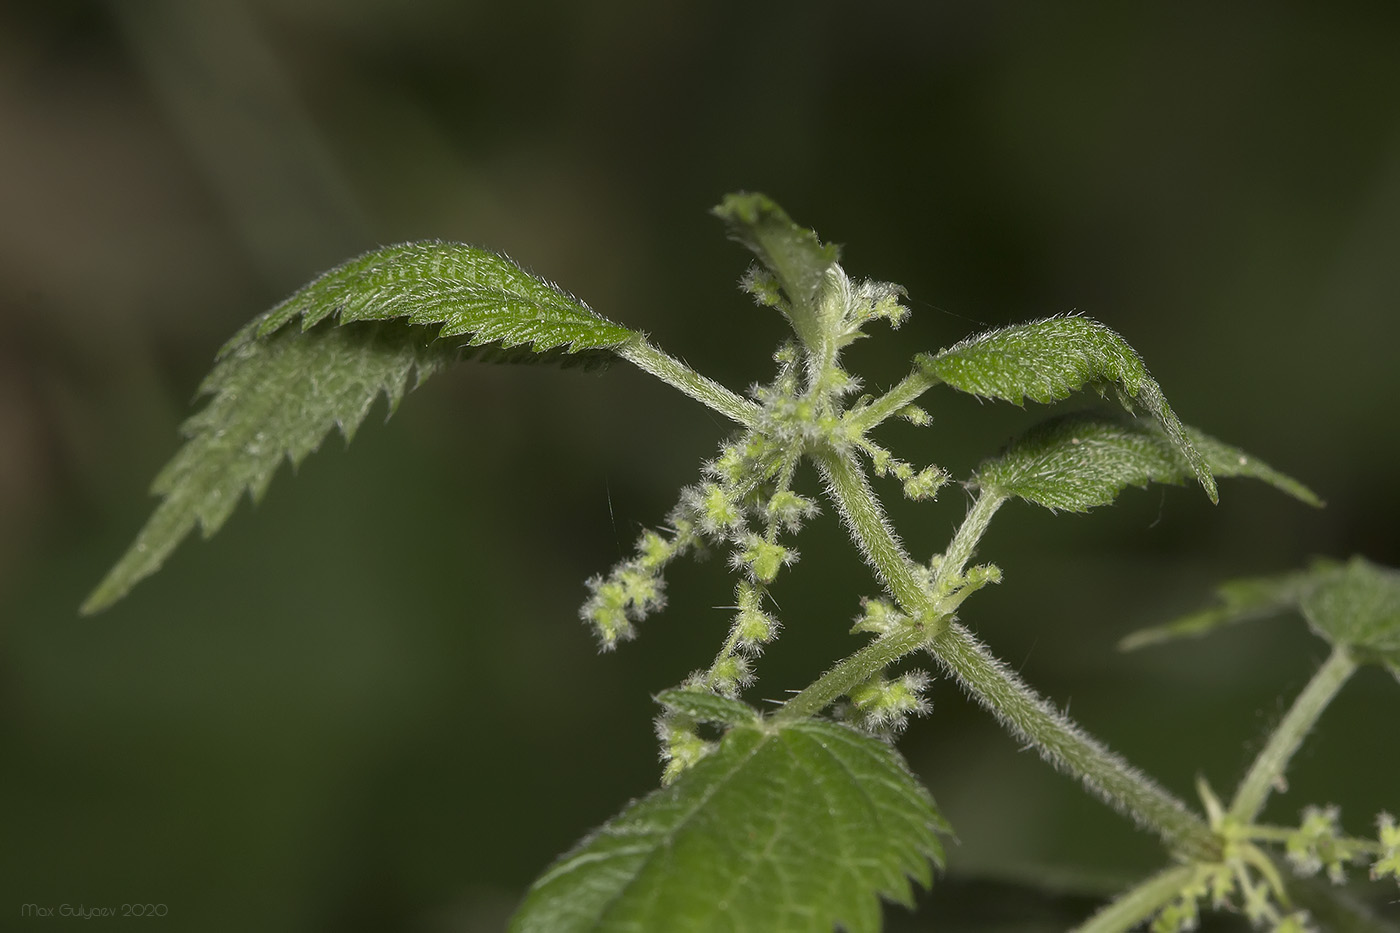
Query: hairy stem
x,y
1015,704
1063,744
911,387
972,529
854,670
1273,759
1139,902
866,521
673,372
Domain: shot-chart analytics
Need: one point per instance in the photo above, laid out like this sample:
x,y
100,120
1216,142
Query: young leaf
x,y
1241,601
470,292
273,400
789,829
1355,605
1048,360
1228,461
797,260
705,706
366,326
1079,461
1358,605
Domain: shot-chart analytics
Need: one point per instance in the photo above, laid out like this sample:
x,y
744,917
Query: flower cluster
x,y
1318,844
635,587
1388,863
882,706
918,484
1240,877
681,744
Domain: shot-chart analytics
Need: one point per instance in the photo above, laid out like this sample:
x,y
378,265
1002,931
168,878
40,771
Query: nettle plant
x,y
802,817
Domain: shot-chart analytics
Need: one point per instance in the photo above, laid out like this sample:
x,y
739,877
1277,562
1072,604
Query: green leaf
x,y
796,259
1047,360
273,400
1079,461
1228,461
1241,600
472,293
366,327
1355,605
703,706
1358,606
789,829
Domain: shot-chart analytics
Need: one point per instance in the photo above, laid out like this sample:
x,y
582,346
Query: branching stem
x,y
970,532
1140,902
1273,759
906,391
851,672
1015,704
1063,744
866,521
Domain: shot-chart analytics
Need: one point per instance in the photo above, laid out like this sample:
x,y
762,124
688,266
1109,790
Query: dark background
x,y
368,703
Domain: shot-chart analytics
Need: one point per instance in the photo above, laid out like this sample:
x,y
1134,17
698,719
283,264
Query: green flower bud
x,y
1389,835
765,558
925,484
606,611
878,617
730,673
789,510
914,415
681,747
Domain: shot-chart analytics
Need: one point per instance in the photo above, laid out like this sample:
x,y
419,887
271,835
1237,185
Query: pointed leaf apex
x,y
1080,461
377,324
1048,360
793,254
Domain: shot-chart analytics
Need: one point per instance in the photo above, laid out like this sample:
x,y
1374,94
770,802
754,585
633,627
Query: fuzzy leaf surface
x,y
367,326
271,401
1048,360
470,293
1080,461
704,706
796,258
789,829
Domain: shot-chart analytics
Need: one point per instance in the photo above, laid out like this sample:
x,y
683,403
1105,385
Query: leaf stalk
x,y
1268,767
656,362
903,393
1140,902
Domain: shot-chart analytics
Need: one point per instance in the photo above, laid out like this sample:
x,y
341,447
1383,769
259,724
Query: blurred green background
x,y
368,703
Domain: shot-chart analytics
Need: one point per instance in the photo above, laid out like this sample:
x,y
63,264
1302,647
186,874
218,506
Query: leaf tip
x,y
98,600
1306,496
1140,639
138,563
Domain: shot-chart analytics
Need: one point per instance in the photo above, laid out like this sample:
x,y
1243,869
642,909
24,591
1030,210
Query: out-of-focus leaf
x,y
1358,606
1355,605
784,829
272,401
366,327
1241,600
